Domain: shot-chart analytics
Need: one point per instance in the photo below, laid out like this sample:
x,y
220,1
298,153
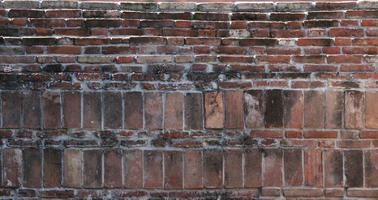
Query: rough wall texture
x,y
187,100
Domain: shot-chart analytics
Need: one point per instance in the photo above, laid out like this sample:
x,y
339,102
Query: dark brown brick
x,y
113,168
193,170
72,109
92,110
173,170
253,106
233,172
52,168
314,109
193,111
313,167
153,169
133,169
353,168
11,109
293,109
93,169
253,168
174,110
153,108
73,163
333,168
334,109
12,169
234,110
371,171
213,168
112,110
273,108
32,168
51,110
32,110
293,167
273,168
133,110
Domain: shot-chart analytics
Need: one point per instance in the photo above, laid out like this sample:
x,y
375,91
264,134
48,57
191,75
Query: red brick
x,y
133,110
73,168
233,172
46,22
92,110
51,108
133,169
320,134
213,168
93,168
214,110
303,192
344,59
153,169
371,171
273,59
233,59
64,50
354,115
289,33
293,109
11,102
354,144
333,168
234,111
253,168
257,42
72,109
273,108
353,168
371,110
313,168
334,109
272,168
293,167
29,13
362,193
193,170
73,31
317,59
266,134
346,32
193,111
173,170
253,106
283,51
314,109
52,167
314,42
153,110
63,194
112,110
12,169
365,42
113,168
31,110
174,110
287,16
32,168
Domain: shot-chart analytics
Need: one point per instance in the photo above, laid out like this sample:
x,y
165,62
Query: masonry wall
x,y
117,100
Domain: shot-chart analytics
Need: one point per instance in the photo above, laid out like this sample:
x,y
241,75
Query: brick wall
x,y
261,100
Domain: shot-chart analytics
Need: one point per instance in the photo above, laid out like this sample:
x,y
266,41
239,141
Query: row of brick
x,y
212,168
176,110
191,6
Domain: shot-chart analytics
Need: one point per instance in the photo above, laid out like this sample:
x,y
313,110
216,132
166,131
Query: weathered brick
x,y
353,168
214,117
153,169
52,167
253,106
93,168
193,111
153,109
73,164
95,59
234,112
21,4
213,168
272,168
71,109
233,172
293,109
92,5
314,112
273,108
11,102
313,167
92,110
12,169
354,112
334,109
182,6
174,110
31,110
133,110
252,168
371,110
255,6
51,108
173,170
371,172
293,167
133,166
193,170
59,4
112,110
113,168
32,159
333,168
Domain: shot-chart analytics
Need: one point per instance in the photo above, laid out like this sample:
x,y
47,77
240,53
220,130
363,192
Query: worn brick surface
x,y
52,167
73,162
32,168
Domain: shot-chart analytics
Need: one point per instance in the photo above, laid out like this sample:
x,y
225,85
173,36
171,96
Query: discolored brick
x,y
371,171
333,168
293,167
353,168
214,110
153,108
272,172
273,108
112,110
233,172
71,109
314,111
133,169
92,110
133,110
51,108
193,169
174,110
12,169
354,109
334,109
313,167
73,164
213,168
11,102
173,170
32,160
253,108
113,169
93,169
371,110
293,109
52,168
31,109
234,112
253,168
153,169
193,111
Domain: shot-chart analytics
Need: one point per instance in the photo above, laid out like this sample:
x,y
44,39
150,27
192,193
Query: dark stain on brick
x,y
353,168
273,108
